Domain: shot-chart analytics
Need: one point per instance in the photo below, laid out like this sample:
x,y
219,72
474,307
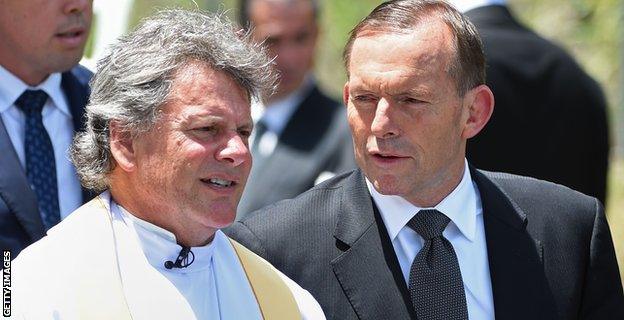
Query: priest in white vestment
x,y
166,142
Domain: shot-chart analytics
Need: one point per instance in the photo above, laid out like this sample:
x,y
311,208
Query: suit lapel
x,y
365,276
15,190
515,258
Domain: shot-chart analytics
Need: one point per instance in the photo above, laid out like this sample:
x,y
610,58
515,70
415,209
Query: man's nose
x,y
383,125
235,151
77,6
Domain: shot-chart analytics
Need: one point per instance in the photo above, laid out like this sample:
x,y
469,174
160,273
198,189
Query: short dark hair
x,y
243,12
400,16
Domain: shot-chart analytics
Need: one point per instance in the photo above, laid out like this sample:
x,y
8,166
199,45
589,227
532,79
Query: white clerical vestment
x,y
120,265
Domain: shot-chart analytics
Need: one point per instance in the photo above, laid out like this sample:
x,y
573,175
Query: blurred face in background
x,y
289,30
39,37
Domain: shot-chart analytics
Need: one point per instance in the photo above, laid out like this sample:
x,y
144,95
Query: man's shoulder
x,y
535,195
316,208
66,236
318,196
80,74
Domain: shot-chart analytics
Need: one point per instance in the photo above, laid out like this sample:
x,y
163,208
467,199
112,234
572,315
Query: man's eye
x,y
206,129
364,98
409,100
244,133
302,38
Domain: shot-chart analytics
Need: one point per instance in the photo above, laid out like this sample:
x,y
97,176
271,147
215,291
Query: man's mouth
x,y
386,155
70,34
73,37
219,183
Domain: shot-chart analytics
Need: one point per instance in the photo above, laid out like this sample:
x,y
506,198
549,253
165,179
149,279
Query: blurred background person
x,y
301,135
550,119
43,92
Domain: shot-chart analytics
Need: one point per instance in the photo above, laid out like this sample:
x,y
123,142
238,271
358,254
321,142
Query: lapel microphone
x,y
182,261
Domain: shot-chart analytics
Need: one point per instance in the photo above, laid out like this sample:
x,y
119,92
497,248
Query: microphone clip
x,y
182,261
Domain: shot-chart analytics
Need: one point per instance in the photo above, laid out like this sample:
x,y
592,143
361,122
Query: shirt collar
x,y
276,114
160,245
462,206
12,87
467,5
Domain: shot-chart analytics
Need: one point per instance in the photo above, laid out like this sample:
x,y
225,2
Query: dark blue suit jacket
x,y
20,221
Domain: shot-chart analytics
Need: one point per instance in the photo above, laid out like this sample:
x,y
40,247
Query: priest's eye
x,y
206,129
245,133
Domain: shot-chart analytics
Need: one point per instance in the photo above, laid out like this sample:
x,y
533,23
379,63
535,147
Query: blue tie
x,y
40,166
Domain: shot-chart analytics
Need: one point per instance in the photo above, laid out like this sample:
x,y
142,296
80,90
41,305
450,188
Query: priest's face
x,y
191,168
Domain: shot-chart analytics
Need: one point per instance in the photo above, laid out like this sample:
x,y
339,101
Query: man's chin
x,y
388,185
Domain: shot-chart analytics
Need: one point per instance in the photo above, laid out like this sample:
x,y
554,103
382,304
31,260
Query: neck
x,y
187,234
432,195
27,73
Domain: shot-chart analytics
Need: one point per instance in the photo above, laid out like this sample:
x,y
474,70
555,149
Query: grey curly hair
x,y
133,80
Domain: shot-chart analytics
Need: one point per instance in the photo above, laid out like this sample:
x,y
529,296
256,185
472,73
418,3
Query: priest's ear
x,y
121,147
478,107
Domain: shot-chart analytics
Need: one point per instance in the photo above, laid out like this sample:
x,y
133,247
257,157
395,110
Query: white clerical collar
x,y
11,87
467,5
276,114
462,206
160,245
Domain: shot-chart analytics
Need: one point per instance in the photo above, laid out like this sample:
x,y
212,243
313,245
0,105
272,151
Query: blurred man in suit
x,y
42,97
417,232
302,136
550,120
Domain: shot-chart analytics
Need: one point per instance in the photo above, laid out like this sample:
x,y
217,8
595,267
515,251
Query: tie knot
x,y
32,101
429,223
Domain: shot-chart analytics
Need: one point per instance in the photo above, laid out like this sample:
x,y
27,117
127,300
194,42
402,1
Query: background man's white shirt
x,y
57,119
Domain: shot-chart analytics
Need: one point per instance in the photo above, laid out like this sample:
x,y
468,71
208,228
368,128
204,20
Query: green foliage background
x,y
590,30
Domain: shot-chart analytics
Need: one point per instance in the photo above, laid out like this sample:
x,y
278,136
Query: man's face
x,y
289,31
404,111
191,168
39,37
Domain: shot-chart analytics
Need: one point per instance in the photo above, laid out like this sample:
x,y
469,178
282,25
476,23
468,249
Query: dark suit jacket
x,y
550,119
316,139
549,248
20,221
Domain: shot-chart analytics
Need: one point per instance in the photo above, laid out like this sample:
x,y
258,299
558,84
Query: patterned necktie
x,y
435,282
40,165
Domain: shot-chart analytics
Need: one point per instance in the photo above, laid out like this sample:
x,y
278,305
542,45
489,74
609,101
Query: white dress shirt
x,y
465,232
276,115
214,285
467,5
57,119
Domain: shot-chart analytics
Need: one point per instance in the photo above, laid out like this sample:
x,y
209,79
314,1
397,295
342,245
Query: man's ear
x,y
480,105
121,147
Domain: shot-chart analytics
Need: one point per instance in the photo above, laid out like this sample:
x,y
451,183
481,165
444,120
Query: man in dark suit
x,y
417,232
42,97
550,120
302,136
